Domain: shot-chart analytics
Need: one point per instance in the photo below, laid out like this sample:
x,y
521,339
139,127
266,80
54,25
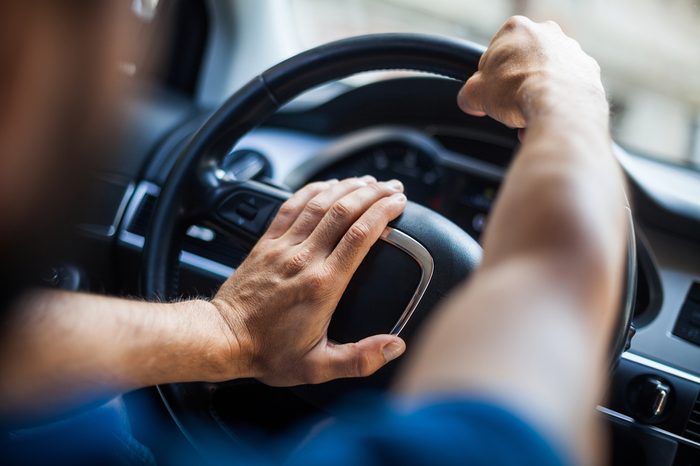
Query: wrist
x,y
212,348
233,348
547,95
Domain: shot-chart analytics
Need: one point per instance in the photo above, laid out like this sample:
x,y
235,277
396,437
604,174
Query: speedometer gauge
x,y
456,184
416,168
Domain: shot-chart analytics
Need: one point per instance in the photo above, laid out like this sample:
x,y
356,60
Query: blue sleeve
x,y
455,432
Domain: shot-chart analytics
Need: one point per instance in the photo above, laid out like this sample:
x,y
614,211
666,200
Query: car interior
x,y
237,115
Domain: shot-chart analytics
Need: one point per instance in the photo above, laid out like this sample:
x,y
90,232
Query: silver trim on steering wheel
x,y
421,255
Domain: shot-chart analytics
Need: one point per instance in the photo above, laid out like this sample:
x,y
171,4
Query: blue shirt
x,y
457,431
449,432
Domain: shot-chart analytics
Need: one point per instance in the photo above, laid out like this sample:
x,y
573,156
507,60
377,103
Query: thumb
x,y
469,99
476,98
362,358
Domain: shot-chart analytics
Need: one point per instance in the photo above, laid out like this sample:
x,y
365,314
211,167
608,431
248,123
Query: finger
x,y
359,359
552,24
316,207
469,97
521,134
292,207
472,100
360,237
513,23
345,211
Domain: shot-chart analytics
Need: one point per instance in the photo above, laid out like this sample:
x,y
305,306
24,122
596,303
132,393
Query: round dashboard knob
x,y
649,397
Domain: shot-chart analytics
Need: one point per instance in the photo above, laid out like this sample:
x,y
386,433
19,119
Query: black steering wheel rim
x,y
265,94
249,107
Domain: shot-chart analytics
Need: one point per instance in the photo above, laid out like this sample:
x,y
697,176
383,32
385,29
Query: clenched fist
x,y
530,68
278,304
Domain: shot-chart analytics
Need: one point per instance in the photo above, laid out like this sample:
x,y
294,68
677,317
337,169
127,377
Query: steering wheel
x,y
432,254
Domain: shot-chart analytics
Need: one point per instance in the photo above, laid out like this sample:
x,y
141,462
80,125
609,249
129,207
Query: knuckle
x,y
358,233
574,43
379,213
471,88
378,188
273,254
297,262
315,187
286,209
341,209
318,185
483,60
316,207
356,181
383,206
319,281
515,22
353,183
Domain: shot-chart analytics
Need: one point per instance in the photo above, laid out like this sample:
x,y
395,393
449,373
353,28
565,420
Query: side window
x,y
170,37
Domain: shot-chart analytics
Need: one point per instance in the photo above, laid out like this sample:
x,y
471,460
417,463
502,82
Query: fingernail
x,y
368,178
399,198
332,180
392,351
395,185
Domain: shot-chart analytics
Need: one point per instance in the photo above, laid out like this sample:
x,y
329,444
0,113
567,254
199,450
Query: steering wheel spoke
x,y
242,210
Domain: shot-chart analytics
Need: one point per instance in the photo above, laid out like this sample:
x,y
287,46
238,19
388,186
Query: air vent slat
x,y
142,219
219,249
692,427
692,421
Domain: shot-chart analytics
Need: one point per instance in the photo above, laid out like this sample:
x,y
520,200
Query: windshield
x,y
649,51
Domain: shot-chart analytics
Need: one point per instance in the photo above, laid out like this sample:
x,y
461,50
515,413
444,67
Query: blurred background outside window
x,y
649,51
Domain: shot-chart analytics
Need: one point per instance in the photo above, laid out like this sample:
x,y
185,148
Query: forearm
x,y
488,341
532,327
67,349
552,258
563,203
259,324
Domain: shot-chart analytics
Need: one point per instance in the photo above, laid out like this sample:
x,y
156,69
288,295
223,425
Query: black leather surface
x,y
455,254
452,58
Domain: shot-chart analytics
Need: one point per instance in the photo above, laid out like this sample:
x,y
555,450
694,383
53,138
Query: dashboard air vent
x,y
212,246
692,429
142,219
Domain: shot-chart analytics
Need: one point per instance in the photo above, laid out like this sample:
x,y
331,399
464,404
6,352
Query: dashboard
x,y
412,130
460,187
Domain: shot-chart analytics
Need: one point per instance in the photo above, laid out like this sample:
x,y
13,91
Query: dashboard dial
x,y
415,167
460,187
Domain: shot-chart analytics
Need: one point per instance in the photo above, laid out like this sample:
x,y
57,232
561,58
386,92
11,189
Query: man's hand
x,y
530,68
278,304
268,320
